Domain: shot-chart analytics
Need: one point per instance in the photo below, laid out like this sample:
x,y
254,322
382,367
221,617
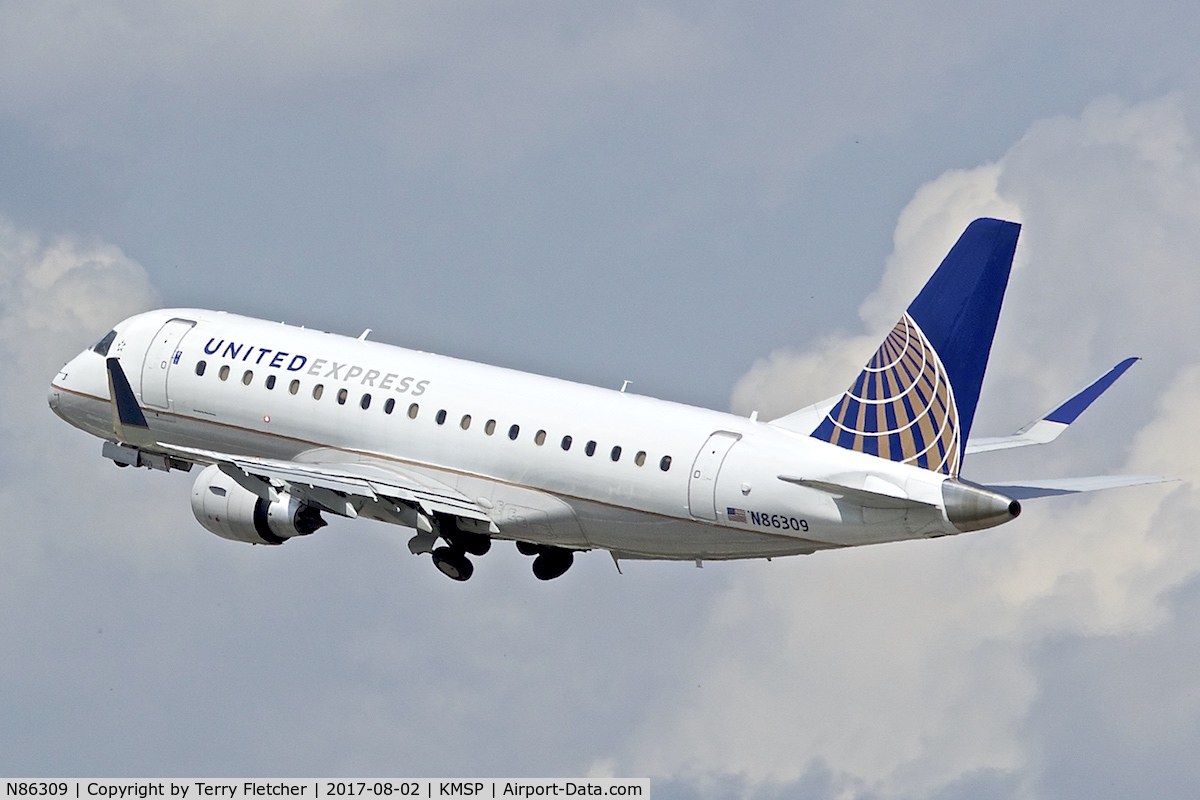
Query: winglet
x,y
1051,426
129,423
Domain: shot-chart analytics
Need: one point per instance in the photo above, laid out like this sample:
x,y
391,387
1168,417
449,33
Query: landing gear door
x,y
702,483
160,356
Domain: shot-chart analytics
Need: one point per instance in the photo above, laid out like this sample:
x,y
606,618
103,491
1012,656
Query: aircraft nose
x,y
63,380
54,393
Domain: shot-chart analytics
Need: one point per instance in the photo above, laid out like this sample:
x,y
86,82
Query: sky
x,y
728,205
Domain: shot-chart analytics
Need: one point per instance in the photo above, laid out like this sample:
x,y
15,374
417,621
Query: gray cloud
x,y
650,190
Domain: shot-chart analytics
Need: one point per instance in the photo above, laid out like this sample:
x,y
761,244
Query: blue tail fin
x,y
915,400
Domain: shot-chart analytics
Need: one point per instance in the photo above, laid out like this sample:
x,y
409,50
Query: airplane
x,y
290,424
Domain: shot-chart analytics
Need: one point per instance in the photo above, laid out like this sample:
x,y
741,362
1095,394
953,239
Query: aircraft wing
x,y
1051,426
328,484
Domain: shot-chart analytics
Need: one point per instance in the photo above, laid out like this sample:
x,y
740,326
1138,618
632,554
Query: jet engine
x,y
231,511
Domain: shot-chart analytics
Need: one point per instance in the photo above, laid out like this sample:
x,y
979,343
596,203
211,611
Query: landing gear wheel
x,y
553,561
474,543
528,548
453,563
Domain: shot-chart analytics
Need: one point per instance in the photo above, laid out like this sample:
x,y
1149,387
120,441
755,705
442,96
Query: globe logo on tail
x,y
901,407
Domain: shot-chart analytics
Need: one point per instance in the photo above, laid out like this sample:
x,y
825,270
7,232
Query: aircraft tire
x,y
528,548
477,544
552,563
453,563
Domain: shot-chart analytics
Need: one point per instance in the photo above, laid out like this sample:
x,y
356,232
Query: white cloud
x,y
928,227
56,298
907,668
1104,269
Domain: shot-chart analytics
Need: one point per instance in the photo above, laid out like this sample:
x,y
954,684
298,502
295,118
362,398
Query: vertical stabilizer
x,y
915,399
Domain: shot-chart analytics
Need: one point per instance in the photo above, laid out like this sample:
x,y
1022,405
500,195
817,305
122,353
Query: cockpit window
x,y
102,346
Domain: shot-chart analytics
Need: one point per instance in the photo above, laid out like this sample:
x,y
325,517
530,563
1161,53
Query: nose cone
x,y
971,508
81,378
54,395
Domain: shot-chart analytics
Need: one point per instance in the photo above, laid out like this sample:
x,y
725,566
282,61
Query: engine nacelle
x,y
231,511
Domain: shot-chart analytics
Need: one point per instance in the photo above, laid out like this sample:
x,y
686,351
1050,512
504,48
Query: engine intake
x,y
233,512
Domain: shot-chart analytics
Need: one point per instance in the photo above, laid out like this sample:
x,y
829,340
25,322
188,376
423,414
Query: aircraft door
x,y
702,483
162,353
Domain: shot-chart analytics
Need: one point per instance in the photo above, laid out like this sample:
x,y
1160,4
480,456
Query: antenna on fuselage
x,y
363,337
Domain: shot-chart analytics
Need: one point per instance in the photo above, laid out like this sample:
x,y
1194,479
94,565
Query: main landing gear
x,y
549,562
452,560
453,563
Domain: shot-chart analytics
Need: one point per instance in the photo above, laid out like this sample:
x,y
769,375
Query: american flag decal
x,y
735,514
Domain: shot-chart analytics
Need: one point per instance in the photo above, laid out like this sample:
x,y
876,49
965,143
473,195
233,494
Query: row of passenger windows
x,y
389,406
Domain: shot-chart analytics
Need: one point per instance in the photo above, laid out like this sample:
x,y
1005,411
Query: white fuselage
x,y
497,436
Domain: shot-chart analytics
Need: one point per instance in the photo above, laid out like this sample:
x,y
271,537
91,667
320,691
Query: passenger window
x,y
412,411
318,390
389,405
590,449
101,347
490,427
270,381
441,417
365,402
566,443
247,376
616,453
640,458
294,387
514,431
224,372
466,422
342,395
665,464
540,438
200,365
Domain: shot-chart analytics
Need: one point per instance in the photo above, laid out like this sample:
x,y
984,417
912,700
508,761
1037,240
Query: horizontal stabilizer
x,y
1051,426
1025,490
